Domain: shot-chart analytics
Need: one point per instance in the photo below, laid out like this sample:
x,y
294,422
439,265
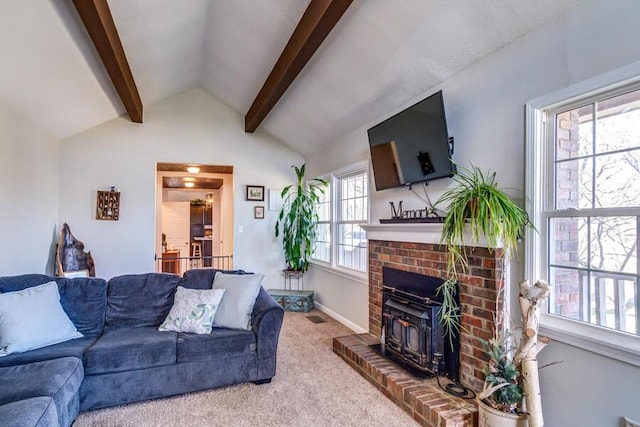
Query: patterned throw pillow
x,y
193,310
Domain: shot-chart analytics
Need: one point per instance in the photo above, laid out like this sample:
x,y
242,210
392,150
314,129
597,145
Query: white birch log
x,y
525,358
531,387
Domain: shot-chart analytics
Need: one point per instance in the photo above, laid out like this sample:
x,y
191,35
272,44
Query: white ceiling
x,y
380,55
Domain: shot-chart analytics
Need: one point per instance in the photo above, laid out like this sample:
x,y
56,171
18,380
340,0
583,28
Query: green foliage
x,y
478,203
298,219
476,206
502,374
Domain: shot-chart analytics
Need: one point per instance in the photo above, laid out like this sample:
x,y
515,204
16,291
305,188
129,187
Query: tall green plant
x,y
298,219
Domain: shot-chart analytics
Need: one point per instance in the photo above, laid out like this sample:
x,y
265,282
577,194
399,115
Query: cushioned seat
x,y
59,379
32,412
219,344
130,349
71,348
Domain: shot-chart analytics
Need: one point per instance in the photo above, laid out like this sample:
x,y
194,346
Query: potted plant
x,y
298,220
476,207
512,374
500,401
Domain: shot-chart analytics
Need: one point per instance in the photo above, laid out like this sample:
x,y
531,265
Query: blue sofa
x,y
122,357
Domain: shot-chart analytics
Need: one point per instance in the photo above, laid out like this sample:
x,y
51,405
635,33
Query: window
x,y
342,210
584,157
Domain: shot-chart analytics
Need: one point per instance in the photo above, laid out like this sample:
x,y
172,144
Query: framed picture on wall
x,y
255,193
258,212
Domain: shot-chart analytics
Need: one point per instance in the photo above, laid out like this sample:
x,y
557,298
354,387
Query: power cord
x,y
454,388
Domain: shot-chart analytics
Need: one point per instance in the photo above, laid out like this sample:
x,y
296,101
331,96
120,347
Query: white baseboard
x,y
346,322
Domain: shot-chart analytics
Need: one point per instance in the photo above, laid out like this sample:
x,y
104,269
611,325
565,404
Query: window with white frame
x,y
584,158
342,210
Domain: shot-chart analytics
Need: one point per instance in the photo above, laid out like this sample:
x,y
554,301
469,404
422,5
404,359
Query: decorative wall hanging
x,y
258,212
108,205
255,193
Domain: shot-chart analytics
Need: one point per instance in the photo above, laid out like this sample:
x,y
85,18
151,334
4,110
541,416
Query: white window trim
x,y
608,342
332,266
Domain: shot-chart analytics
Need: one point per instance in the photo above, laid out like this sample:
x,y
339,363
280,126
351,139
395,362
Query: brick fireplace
x,y
415,248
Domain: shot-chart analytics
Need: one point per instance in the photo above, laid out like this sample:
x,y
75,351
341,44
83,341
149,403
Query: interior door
x,y
176,226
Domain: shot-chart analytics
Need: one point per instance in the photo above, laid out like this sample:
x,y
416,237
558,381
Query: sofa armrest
x,y
266,322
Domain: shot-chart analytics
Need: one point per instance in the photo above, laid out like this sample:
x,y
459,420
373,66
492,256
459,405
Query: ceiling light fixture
x,y
189,184
193,169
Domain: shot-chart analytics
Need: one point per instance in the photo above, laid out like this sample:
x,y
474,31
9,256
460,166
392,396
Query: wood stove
x,y
413,333
412,328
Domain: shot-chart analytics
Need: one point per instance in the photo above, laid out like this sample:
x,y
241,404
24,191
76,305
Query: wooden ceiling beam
x,y
98,21
314,26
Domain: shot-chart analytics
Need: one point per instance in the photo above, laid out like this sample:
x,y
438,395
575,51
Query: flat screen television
x,y
412,146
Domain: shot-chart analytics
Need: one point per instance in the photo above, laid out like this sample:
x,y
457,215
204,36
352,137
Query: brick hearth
x,y
423,399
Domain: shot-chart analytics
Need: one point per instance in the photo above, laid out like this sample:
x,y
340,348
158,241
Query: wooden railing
x,y
178,265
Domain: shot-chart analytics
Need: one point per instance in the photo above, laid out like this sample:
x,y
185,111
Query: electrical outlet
x,y
629,423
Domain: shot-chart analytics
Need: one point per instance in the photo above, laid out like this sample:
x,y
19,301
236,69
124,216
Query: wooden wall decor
x,y
70,254
108,205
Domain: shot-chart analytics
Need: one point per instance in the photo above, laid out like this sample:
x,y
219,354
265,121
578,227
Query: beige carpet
x,y
312,387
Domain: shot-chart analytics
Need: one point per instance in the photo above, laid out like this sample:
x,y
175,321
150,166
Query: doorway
x,y
194,217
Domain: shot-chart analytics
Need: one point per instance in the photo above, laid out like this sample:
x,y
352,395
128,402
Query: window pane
x,y
618,123
568,298
612,302
568,242
618,180
352,247
324,205
574,184
322,250
574,133
353,198
614,244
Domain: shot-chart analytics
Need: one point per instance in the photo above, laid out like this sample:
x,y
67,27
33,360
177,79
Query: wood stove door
x,y
394,332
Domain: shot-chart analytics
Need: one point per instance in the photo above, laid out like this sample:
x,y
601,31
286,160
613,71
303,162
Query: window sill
x,y
603,341
342,272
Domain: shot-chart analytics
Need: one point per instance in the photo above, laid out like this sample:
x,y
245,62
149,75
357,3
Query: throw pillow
x,y
241,291
193,310
33,318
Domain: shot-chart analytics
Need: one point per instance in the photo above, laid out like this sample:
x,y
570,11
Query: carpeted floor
x,y
312,387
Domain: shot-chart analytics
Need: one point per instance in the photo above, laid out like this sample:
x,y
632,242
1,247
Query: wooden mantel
x,y
430,233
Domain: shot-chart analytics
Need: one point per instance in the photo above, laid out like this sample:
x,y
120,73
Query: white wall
x,y
28,196
192,127
485,113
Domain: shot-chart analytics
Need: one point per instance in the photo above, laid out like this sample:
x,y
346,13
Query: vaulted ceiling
x,y
379,55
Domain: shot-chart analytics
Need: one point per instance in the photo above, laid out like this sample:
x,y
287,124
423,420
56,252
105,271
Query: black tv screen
x,y
412,146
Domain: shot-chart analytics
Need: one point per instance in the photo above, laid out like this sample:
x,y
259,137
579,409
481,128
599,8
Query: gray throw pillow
x,y
241,291
33,318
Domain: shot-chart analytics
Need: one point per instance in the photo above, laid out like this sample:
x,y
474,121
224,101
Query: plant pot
x,y
490,417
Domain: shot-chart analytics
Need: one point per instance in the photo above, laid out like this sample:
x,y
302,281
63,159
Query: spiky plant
x,y
298,219
476,207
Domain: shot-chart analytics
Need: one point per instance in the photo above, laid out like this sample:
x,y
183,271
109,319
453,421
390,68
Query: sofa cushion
x,y
33,412
238,300
203,278
33,318
139,300
59,379
130,348
221,343
83,299
71,348
193,310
